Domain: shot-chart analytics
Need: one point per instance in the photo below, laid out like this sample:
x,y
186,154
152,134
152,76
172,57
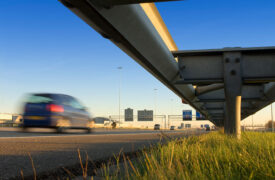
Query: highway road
x,y
50,151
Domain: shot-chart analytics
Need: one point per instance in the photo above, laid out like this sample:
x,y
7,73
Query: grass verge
x,y
209,156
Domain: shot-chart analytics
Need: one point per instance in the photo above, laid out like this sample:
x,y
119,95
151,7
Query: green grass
x,y
210,156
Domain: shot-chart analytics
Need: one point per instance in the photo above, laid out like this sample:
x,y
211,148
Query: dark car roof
x,y
50,94
55,94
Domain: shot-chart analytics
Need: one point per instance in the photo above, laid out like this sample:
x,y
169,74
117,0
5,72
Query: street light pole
x,y
119,68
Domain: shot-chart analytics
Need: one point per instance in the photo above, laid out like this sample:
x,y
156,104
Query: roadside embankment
x,y
209,156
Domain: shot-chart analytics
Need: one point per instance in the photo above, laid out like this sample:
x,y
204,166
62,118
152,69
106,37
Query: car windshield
x,y
39,98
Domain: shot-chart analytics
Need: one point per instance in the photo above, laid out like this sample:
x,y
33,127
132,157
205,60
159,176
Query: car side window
x,y
75,104
70,101
65,100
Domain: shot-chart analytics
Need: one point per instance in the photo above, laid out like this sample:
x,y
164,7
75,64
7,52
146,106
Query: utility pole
x,y
155,103
272,120
252,123
172,112
119,68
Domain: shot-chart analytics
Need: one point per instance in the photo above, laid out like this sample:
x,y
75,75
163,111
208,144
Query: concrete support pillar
x,y
232,84
233,116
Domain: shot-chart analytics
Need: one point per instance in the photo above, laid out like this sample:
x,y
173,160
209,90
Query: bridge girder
x,y
215,73
227,77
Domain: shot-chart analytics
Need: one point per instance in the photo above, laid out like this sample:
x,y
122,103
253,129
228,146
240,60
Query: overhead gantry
x,y
225,85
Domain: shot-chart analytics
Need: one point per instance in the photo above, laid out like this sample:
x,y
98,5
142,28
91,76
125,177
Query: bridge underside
x,y
231,83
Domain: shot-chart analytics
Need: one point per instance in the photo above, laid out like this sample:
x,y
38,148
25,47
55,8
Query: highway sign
x,y
199,116
187,115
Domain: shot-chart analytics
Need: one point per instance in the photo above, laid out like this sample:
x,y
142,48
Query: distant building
x,y
181,126
10,118
145,115
129,114
187,125
4,118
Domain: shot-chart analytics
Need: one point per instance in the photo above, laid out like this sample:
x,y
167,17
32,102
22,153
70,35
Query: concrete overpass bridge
x,y
225,85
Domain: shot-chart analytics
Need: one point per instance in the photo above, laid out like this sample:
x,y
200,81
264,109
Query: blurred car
x,y
157,127
207,128
57,111
172,127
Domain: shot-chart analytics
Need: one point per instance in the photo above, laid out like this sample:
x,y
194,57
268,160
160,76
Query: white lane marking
x,y
90,135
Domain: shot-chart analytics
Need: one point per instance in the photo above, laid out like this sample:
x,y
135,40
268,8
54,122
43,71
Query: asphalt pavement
x,y
49,150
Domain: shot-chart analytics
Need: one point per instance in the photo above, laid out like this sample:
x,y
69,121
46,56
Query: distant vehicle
x,y
157,127
101,120
207,128
57,111
172,127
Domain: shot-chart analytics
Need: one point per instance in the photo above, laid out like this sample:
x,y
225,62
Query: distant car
x,y
207,128
57,111
101,120
157,127
172,127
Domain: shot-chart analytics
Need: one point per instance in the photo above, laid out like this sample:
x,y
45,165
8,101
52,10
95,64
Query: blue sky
x,y
46,48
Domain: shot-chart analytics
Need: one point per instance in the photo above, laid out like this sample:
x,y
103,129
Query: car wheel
x,y
89,126
62,124
60,129
89,130
24,129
